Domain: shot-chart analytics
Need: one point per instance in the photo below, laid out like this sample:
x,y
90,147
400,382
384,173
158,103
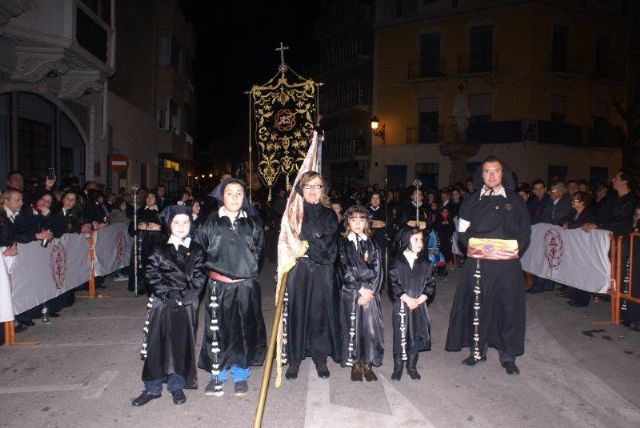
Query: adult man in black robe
x,y
489,304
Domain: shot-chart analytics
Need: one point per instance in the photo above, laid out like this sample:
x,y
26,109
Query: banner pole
x,y
268,363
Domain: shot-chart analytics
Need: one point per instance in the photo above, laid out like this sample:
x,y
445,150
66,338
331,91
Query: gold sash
x,y
492,249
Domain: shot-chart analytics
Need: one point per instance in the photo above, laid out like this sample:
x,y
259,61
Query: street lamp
x,y
375,124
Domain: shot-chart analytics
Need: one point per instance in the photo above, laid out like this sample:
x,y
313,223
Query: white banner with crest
x,y
39,274
112,246
571,257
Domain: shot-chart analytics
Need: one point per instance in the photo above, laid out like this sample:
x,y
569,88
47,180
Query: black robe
x,y
403,279
233,308
147,240
502,298
367,345
311,313
175,279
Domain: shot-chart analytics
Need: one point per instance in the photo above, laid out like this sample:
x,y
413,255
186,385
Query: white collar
x,y
355,238
485,189
372,208
410,256
222,212
10,214
176,242
152,207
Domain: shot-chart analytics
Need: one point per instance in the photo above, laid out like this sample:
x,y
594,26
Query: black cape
x,y
403,279
175,279
311,312
234,333
367,345
147,241
502,299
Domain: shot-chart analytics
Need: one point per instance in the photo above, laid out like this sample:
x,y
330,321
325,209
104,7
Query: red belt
x,y
221,278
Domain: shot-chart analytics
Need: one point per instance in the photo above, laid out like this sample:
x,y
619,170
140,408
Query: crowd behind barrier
x,y
38,274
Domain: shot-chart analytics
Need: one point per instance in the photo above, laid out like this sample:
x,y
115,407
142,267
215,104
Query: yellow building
x,y
532,81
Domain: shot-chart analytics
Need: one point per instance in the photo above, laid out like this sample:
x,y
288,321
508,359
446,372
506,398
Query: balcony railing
x,y
346,54
568,63
425,69
423,135
345,149
608,70
478,62
357,97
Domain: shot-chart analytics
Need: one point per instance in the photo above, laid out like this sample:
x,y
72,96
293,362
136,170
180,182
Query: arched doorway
x,y
37,134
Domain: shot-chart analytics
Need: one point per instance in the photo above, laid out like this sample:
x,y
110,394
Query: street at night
x,y
576,372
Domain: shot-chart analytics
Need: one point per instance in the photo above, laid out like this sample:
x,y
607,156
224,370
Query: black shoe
x,y
54,315
321,366
398,365
178,396
292,370
356,372
29,323
471,361
368,373
412,361
510,367
144,398
19,328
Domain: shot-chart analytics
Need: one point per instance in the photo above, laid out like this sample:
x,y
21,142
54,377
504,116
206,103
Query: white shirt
x,y
355,238
410,256
10,214
176,242
487,191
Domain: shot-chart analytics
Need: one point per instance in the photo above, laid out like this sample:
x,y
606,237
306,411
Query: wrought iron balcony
x,y
347,148
478,62
353,98
567,63
425,69
423,134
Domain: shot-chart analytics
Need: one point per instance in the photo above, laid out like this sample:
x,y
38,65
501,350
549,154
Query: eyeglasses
x,y
492,171
312,186
576,200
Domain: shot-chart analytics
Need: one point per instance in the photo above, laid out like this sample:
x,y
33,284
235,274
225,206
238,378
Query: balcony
x,y
358,98
566,64
346,149
478,62
423,135
344,55
608,70
425,69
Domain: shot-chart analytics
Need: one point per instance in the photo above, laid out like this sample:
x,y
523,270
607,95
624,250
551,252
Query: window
x,y
34,156
430,55
559,48
428,174
428,120
173,116
480,107
602,56
481,43
168,49
162,118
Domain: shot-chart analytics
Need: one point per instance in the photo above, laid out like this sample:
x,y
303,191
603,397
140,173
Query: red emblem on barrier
x,y
59,264
554,248
121,244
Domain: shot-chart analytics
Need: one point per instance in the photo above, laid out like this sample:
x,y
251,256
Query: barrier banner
x,y
112,246
570,256
42,273
6,309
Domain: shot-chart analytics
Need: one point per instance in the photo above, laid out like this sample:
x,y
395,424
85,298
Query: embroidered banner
x,y
571,257
112,248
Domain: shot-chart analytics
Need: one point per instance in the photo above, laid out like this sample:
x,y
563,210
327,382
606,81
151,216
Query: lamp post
x,y
377,130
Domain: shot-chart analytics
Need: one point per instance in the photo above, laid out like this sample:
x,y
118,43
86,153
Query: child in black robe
x,y
235,335
175,275
360,308
411,285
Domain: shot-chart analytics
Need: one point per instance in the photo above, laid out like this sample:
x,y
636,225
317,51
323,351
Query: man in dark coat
x,y
489,303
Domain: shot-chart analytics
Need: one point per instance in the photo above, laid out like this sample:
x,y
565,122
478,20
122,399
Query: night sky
x,y
235,49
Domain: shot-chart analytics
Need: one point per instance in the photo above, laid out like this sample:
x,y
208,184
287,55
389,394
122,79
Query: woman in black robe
x,y
489,303
360,308
149,234
175,276
310,316
235,335
411,285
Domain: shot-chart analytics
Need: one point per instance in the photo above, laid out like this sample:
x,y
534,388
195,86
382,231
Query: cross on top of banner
x,y
283,66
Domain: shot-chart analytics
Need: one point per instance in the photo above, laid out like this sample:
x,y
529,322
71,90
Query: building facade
x,y
533,82
344,32
55,59
152,114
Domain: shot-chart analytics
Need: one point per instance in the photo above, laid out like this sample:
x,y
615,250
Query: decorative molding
x,y
76,83
33,64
